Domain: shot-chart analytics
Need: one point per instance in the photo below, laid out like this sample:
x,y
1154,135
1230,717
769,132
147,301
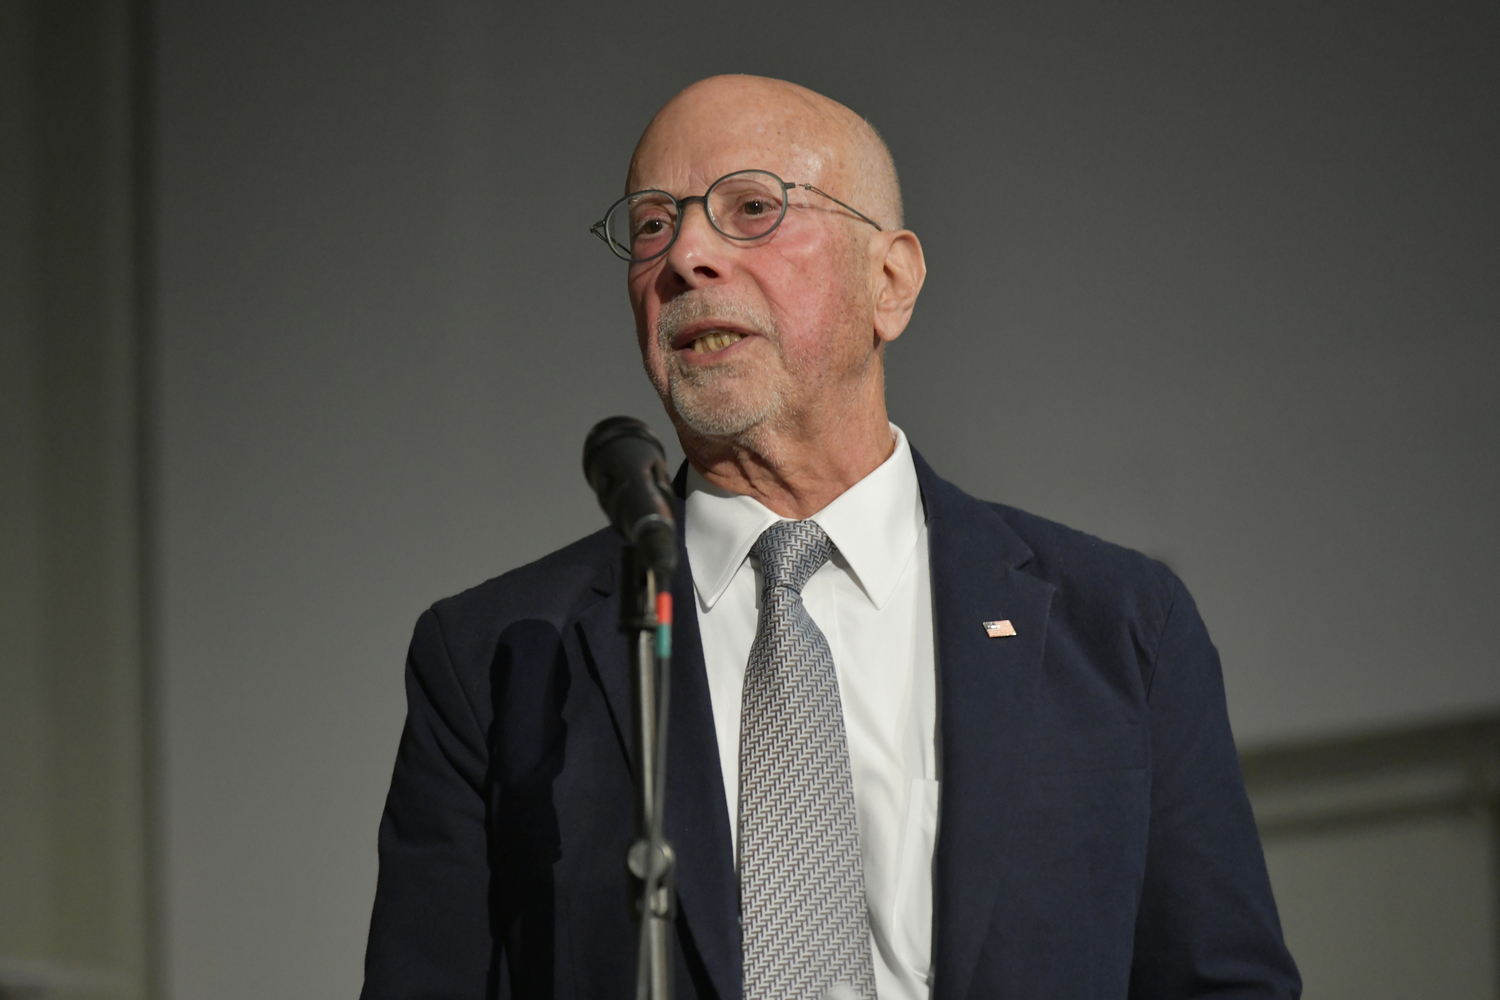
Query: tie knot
x,y
790,552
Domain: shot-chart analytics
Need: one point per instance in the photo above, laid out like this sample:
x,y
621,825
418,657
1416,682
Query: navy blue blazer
x,y
1094,837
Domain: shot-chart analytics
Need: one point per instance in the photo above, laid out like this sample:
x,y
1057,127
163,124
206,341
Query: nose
x,y
697,255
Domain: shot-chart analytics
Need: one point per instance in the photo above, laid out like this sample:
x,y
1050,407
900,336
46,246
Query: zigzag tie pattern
x,y
804,928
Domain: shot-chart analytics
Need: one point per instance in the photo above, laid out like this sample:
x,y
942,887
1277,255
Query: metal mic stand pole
x,y
646,618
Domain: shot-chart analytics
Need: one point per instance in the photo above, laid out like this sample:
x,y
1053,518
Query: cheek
x,y
814,301
827,323
816,266
644,311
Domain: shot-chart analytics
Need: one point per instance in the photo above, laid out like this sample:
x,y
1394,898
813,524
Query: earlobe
x,y
900,281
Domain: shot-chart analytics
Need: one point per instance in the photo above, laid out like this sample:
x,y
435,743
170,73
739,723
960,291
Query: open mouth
x,y
715,340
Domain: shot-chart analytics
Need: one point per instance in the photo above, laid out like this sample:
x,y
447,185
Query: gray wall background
x,y
1214,281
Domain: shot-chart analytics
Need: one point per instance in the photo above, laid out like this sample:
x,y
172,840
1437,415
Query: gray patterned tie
x,y
804,927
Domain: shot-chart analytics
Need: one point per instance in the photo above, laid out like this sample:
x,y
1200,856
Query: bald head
x,y
787,123
768,352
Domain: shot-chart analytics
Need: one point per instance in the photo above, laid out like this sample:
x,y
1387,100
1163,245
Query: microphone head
x,y
612,429
626,467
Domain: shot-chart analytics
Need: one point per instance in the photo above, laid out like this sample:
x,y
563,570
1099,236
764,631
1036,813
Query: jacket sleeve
x,y
430,933
1207,923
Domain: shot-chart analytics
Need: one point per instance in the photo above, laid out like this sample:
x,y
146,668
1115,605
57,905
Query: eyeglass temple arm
x,y
831,198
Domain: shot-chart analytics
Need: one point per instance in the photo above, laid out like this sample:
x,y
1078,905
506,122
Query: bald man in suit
x,y
1046,797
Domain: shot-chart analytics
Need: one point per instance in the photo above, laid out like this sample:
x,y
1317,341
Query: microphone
x,y
626,467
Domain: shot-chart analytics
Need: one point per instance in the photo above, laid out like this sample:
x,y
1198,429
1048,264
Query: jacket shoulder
x,y
1068,554
552,589
1087,572
1099,585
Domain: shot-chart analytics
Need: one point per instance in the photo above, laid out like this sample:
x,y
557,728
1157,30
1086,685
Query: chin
x,y
719,415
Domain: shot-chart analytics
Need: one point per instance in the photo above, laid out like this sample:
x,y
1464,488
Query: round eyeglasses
x,y
742,206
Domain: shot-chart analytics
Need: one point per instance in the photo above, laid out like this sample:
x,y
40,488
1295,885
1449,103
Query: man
x,y
920,745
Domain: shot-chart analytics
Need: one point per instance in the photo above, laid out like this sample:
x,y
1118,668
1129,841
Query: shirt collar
x,y
875,525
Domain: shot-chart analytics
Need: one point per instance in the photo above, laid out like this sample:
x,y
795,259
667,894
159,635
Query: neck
x,y
796,471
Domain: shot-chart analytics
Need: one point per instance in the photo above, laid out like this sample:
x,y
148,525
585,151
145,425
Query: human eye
x,y
757,204
649,226
651,220
746,209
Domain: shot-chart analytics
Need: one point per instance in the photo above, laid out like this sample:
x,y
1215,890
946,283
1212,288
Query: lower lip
x,y
694,356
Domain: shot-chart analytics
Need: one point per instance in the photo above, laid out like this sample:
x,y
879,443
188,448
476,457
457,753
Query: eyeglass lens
x,y
741,206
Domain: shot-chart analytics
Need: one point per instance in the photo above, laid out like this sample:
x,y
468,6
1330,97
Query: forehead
x,y
686,148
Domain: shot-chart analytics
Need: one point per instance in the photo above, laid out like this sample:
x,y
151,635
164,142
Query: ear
x,y
899,280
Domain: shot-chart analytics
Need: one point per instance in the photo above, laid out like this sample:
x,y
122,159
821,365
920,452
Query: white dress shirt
x,y
873,601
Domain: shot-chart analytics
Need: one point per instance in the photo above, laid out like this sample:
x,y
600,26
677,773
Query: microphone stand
x,y
646,618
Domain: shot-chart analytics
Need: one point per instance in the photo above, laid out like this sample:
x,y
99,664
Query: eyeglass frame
x,y
601,228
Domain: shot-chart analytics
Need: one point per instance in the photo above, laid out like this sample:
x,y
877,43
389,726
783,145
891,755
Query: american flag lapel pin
x,y
1000,628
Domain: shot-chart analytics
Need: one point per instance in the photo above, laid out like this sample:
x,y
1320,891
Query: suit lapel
x,y
606,658
985,687
697,818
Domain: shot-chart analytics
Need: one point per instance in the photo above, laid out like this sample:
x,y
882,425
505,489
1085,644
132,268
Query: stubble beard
x,y
722,401
725,403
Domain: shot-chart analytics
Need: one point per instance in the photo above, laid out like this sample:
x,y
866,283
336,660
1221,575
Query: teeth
x,y
716,341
